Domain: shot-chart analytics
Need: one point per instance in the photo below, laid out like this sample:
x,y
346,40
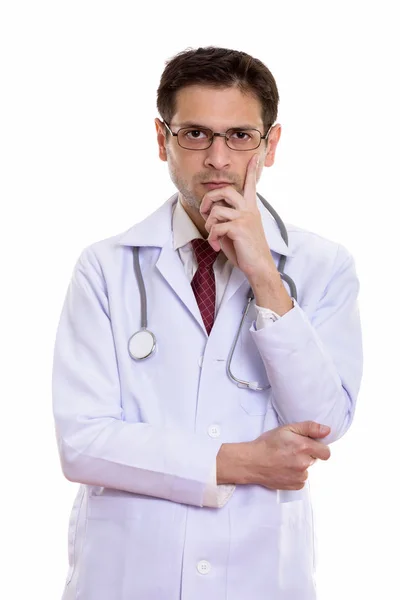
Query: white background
x,y
79,163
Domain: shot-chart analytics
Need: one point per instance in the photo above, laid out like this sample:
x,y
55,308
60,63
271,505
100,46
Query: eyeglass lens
x,y
200,139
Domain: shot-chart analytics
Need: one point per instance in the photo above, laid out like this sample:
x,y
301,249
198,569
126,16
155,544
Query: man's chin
x,y
191,201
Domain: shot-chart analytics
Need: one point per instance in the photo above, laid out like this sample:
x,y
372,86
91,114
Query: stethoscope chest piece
x,y
142,344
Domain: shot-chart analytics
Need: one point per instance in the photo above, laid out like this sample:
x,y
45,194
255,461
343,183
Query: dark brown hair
x,y
219,68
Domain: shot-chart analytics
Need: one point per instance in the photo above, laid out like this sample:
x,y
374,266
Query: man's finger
x,y
218,231
310,429
250,184
220,214
227,196
319,450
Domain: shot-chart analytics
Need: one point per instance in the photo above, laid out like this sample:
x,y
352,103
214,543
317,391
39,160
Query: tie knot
x,y
205,255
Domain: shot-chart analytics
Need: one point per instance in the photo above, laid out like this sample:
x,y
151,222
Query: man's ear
x,y
161,139
273,139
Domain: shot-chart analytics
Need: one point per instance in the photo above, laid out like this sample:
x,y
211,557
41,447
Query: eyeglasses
x,y
201,138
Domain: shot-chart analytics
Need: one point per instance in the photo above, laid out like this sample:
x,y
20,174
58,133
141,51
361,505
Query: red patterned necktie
x,y
203,282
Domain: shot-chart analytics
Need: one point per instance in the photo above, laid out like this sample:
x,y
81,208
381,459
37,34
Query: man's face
x,y
219,110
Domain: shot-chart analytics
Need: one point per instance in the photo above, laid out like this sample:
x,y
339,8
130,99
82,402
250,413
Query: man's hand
x,y
237,229
279,459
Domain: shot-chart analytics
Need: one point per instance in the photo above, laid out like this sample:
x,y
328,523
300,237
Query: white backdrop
x,y
79,163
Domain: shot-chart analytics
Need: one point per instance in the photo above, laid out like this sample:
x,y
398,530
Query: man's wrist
x,y
269,292
233,463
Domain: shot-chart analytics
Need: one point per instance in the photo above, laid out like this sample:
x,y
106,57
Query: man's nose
x,y
218,155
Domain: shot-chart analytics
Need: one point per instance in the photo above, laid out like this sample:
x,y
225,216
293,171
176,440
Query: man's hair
x,y
218,68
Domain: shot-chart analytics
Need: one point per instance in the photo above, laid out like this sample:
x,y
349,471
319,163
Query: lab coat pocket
x,y
255,403
125,535
254,550
104,561
74,535
272,549
297,560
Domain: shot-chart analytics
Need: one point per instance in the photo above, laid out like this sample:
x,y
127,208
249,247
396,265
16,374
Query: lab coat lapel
x,y
156,231
236,280
170,266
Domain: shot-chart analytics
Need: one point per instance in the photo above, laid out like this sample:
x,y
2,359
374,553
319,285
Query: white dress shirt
x,y
184,231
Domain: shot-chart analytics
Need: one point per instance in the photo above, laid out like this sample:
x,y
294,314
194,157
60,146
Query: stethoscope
x,y
142,344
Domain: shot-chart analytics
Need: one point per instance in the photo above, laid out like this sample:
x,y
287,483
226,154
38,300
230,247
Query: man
x,y
193,486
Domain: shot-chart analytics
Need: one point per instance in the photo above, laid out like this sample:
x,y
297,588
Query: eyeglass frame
x,y
216,134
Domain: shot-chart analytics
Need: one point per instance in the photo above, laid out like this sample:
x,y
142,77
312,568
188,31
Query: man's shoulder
x,y
314,247
152,230
100,256
102,247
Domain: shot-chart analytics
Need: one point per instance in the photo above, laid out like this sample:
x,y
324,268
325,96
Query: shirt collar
x,y
183,228
157,228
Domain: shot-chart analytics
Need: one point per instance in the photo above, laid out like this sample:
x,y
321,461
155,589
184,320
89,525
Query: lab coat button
x,y
214,431
204,567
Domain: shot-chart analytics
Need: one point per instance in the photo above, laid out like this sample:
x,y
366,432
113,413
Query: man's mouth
x,y
216,184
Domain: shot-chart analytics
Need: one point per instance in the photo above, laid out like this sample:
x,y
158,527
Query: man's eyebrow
x,y
193,124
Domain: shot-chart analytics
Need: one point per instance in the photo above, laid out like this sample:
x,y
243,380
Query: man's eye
x,y
241,135
195,134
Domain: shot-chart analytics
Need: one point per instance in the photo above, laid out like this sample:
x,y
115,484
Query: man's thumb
x,y
310,429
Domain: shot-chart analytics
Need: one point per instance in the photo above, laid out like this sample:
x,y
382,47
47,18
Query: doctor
x,y
193,487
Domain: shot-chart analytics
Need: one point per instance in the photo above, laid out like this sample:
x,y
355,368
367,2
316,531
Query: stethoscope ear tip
x,y
252,385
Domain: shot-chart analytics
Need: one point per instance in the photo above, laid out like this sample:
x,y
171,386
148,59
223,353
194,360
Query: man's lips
x,y
216,184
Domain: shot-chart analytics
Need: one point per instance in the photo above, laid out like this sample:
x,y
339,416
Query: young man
x,y
194,481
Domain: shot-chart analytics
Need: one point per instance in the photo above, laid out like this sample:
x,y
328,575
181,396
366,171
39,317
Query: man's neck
x,y
195,216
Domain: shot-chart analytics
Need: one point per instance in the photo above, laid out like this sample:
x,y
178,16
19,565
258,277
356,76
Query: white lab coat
x,y
136,434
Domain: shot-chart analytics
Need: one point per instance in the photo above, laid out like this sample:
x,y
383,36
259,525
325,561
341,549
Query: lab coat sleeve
x,y
265,317
96,445
216,496
314,362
